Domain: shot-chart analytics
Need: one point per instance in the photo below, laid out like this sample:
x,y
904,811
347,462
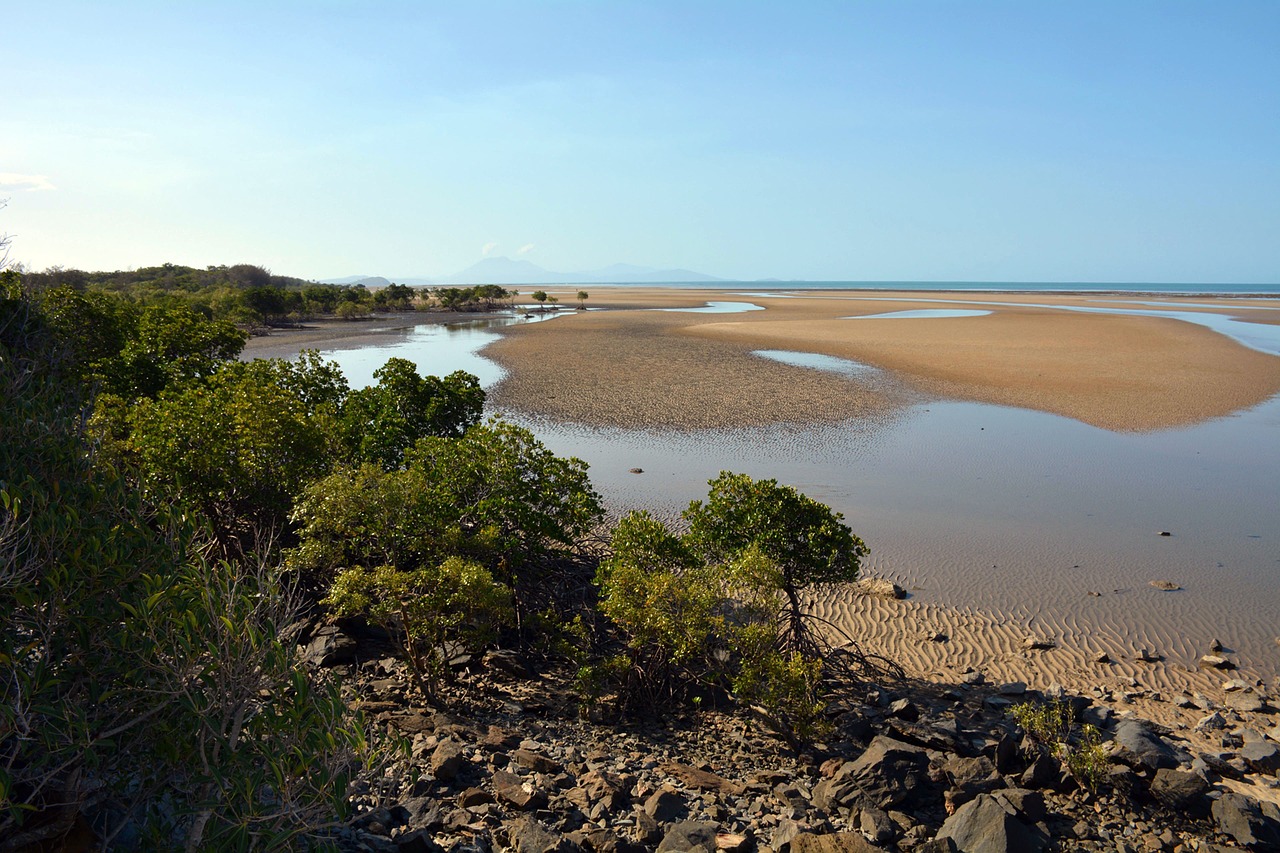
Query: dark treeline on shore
x,y
249,295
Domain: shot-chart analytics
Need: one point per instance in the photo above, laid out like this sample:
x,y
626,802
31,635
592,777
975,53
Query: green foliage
x,y
807,543
480,297
237,447
383,420
689,625
539,296
1050,726
131,670
582,299
496,495
456,601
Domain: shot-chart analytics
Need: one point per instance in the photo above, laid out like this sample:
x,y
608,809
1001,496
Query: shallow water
x,y
818,361
717,308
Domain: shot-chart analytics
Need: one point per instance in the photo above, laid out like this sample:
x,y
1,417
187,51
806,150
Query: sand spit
x,y
638,368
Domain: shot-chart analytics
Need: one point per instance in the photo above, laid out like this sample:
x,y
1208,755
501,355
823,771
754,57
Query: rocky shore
x,y
517,763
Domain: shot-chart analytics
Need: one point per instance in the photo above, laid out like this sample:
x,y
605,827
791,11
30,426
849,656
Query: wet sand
x,y
692,370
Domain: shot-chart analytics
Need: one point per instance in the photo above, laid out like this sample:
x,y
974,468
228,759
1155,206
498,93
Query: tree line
x,y
170,516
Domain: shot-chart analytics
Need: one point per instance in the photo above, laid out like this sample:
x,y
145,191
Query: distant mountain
x,y
501,270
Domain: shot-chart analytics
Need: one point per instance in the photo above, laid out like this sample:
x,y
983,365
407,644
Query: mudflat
x,y
633,366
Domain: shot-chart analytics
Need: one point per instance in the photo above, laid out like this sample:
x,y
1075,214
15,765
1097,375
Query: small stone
x,y
635,471
879,587
1102,657
1166,585
1038,643
1164,533
1216,662
1215,645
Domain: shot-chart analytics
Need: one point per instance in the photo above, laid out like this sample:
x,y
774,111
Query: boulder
x,y
886,773
970,777
1140,747
329,646
1243,819
1179,790
536,762
692,835
1262,756
877,827
983,826
703,780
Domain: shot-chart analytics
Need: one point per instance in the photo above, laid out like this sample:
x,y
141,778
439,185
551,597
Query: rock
x,y
1023,802
1138,746
1242,818
1215,662
785,834
417,841
1179,790
690,835
734,842
1214,722
1102,657
605,788
881,587
1249,703
473,797
1166,585
499,740
1038,643
635,470
937,845
513,790
507,662
983,826
1147,656
1163,533
1262,757
447,761
887,772
1012,688
969,778
666,806
703,780
937,636
904,709
1044,773
532,836
876,827
329,646
837,842
536,762
1215,645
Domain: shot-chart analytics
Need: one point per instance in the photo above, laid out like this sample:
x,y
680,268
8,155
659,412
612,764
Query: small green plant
x,y
455,601
1049,726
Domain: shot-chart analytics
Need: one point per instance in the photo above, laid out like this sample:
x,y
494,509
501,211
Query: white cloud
x,y
525,249
28,183
487,248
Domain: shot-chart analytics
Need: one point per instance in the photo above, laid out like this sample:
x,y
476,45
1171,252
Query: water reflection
x,y
718,308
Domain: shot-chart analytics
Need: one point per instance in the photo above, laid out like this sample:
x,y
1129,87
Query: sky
x,y
862,141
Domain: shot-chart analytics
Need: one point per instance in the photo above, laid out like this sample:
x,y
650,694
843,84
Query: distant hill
x,y
502,270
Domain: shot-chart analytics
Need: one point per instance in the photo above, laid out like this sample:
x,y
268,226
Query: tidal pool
x,y
718,308
818,361
921,313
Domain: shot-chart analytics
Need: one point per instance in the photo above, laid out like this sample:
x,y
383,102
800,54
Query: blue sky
x,y
1021,141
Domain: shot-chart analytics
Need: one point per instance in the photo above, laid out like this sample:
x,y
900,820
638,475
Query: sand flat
x,y
646,368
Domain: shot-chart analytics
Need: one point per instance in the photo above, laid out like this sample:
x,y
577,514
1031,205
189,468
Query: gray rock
x,y
876,826
887,772
1242,818
983,826
970,777
1138,746
690,835
1023,802
666,806
536,762
329,646
417,841
1179,790
447,761
1261,756
532,836
904,709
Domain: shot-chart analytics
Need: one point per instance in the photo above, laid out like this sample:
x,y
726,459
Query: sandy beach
x,y
680,394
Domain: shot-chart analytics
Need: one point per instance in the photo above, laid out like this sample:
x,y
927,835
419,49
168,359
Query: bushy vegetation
x,y
171,518
1050,726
